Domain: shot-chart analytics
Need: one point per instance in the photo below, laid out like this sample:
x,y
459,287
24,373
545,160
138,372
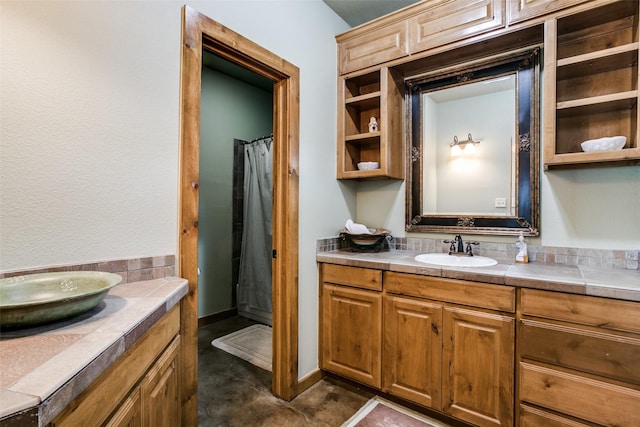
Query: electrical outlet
x,y
501,202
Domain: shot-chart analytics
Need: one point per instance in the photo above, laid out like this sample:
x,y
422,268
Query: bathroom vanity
x,y
504,345
117,365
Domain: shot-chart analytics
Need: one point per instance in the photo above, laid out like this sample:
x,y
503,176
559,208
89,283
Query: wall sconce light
x,y
460,147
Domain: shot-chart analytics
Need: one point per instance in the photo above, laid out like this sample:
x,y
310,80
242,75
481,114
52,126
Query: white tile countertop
x,y
44,368
584,280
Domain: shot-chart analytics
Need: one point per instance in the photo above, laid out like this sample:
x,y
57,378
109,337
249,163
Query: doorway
x,y
236,121
202,33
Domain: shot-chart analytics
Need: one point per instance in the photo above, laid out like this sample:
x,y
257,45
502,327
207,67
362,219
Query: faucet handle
x,y
452,248
469,243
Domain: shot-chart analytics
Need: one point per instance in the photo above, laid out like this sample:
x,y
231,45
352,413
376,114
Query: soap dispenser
x,y
521,250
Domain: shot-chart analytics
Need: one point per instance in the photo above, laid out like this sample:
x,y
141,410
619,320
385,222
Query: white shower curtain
x,y
254,280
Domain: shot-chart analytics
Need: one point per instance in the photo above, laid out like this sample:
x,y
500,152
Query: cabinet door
x,y
478,360
451,21
129,414
373,47
413,350
351,333
522,10
160,390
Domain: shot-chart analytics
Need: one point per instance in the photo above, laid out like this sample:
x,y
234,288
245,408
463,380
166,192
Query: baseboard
x,y
310,379
210,318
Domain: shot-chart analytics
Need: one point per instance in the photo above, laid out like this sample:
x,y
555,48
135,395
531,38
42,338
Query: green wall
x,y
229,109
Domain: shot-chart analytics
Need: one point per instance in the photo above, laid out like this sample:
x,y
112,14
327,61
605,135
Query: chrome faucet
x,y
457,246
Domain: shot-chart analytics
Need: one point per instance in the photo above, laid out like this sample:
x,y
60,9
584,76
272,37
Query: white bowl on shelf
x,y
367,166
604,144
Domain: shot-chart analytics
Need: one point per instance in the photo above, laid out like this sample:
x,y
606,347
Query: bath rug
x,y
378,412
252,344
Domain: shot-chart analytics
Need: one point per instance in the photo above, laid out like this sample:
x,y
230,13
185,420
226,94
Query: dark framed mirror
x,y
473,157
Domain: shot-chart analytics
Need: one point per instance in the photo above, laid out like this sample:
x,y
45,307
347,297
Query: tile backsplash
x,y
131,270
505,252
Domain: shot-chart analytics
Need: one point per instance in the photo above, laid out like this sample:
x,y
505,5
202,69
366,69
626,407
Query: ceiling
x,y
356,12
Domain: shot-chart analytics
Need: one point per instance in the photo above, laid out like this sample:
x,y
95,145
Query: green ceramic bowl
x,y
35,299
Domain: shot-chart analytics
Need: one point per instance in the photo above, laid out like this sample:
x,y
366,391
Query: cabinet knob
x,y
434,328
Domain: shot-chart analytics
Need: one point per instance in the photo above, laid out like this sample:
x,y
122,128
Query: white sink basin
x,y
447,260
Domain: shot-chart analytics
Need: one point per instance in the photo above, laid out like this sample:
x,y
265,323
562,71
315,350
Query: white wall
x,y
89,129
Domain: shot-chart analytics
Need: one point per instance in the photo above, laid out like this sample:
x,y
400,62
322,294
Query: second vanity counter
x,y
43,369
583,280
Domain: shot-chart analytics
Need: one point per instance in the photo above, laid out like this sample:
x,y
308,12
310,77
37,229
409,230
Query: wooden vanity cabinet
x,y
141,388
444,344
351,322
591,84
449,345
579,360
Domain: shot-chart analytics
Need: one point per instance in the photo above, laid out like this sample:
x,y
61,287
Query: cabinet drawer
x,y
493,297
374,47
605,354
451,21
364,278
534,417
581,397
521,10
585,310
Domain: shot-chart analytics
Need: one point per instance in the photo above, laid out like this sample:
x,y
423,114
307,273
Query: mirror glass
x,y
450,182
474,135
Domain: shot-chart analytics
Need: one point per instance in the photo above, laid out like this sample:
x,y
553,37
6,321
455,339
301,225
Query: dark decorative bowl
x,y
373,240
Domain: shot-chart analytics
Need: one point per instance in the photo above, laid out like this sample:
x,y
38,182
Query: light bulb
x,y
456,151
470,149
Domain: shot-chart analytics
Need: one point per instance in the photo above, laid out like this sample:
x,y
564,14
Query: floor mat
x,y
252,344
378,412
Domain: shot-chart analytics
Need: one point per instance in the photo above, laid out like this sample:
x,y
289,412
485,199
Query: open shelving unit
x,y
591,85
372,94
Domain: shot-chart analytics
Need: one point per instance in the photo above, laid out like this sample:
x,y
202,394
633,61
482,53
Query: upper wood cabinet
x,y
591,85
521,10
446,21
374,94
373,47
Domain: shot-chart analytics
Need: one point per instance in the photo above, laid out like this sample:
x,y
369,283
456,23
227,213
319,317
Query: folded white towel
x,y
354,228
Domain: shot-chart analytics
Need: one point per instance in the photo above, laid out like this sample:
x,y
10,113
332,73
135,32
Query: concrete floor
x,y
232,392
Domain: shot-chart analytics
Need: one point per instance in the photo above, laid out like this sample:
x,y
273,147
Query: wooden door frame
x,y
200,32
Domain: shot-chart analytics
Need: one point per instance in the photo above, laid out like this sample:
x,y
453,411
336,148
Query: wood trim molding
x,y
200,32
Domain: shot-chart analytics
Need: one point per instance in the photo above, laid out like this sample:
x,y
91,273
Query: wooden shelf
x,y
372,98
628,99
598,62
592,89
363,138
374,94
